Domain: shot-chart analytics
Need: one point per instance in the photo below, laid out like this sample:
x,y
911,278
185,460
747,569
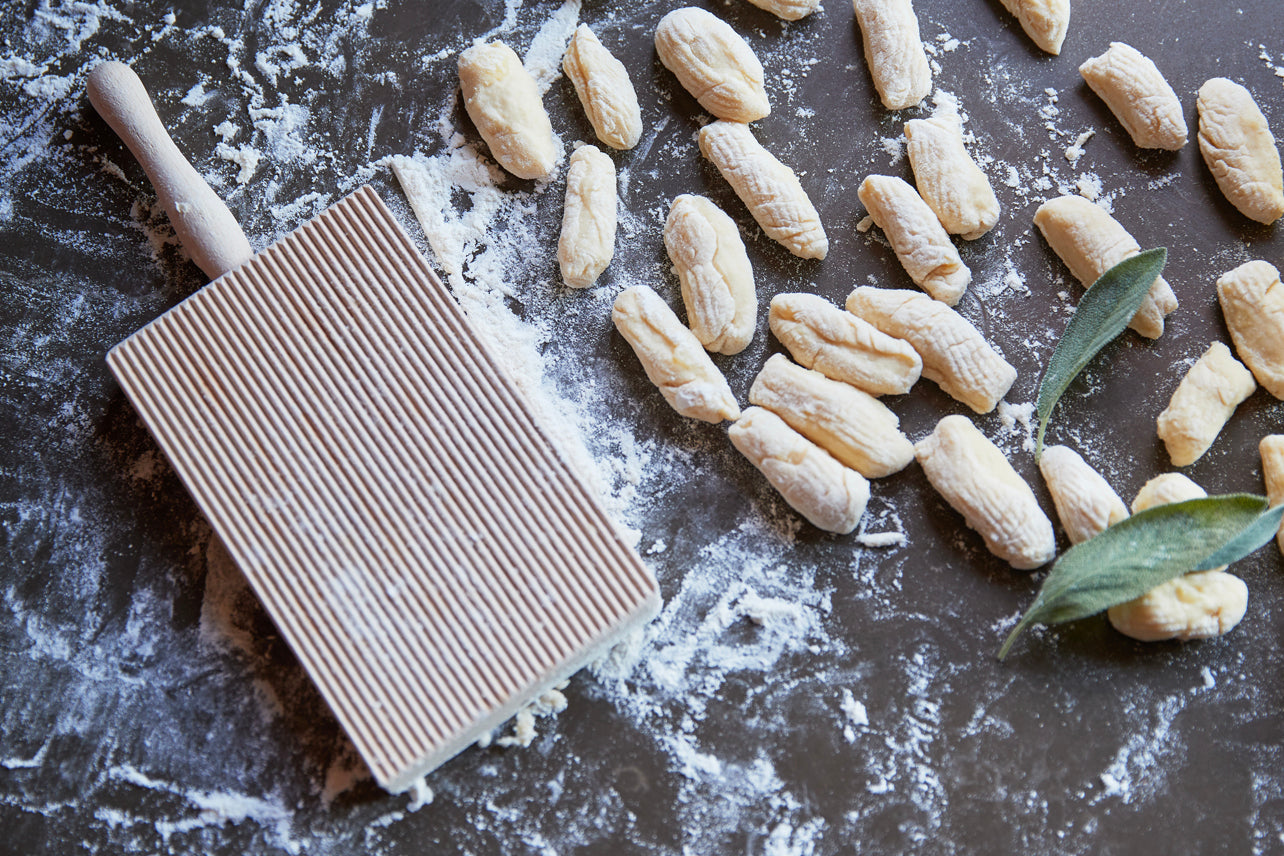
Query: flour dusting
x,y
800,693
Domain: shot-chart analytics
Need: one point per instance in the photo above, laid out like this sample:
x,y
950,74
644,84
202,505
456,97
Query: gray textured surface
x,y
147,704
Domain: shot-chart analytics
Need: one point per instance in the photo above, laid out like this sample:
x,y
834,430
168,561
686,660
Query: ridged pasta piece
x,y
1252,300
768,188
1194,606
1086,503
1272,451
917,237
814,484
1044,21
605,91
841,346
1204,400
850,424
1139,96
587,242
714,271
978,482
788,10
948,179
1091,242
713,63
894,51
504,103
1240,150
955,354
672,357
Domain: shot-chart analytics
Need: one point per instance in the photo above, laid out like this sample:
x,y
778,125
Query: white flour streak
x,y
544,58
211,808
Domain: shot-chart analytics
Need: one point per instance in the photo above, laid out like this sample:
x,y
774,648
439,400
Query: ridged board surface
x,y
380,482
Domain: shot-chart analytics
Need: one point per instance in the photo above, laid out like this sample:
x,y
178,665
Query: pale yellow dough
x,y
1204,400
602,83
851,425
504,103
917,237
769,189
894,51
1196,606
839,345
811,480
714,271
955,355
1252,300
978,482
713,63
587,242
1091,242
1139,96
1086,503
1240,150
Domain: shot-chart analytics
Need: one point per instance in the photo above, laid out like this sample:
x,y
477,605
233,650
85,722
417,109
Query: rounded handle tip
x,y
203,222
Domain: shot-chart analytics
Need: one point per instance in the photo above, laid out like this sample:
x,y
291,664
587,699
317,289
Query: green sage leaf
x,y
1148,549
1103,312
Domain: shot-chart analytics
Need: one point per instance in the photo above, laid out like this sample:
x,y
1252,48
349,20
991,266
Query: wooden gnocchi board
x,y
416,537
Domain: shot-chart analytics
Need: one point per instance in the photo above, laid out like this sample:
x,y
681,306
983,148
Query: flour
x,y
856,717
213,809
245,157
543,60
779,652
1277,68
882,539
549,703
1075,151
1017,422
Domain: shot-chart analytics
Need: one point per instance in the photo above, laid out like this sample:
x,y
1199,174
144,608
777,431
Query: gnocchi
x,y
714,271
1252,300
1204,400
605,91
788,10
1240,151
1086,503
767,187
1272,451
949,181
955,355
975,478
917,237
1044,21
894,51
821,336
587,242
504,103
831,496
1090,242
672,357
713,63
1195,606
851,425
1139,96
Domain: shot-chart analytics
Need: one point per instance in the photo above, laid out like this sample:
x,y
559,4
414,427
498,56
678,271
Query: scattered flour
x,y
1075,150
881,539
894,148
725,688
855,715
1017,423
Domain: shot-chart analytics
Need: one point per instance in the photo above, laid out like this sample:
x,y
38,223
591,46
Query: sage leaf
x,y
1148,549
1103,312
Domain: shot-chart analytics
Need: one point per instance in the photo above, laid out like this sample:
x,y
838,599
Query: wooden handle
x,y
204,224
